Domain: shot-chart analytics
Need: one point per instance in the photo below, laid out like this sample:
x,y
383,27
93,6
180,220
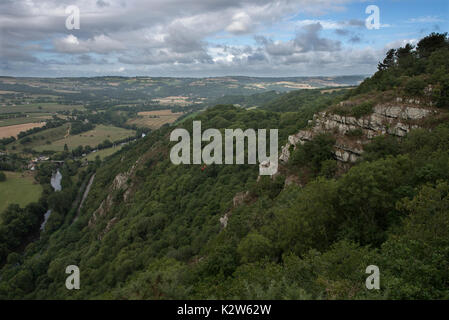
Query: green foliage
x,y
163,239
380,147
417,257
301,100
312,153
413,69
358,110
415,86
355,133
254,247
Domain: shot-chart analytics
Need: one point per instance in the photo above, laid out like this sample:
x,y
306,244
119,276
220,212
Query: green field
x,y
103,153
18,189
21,120
91,138
40,139
40,107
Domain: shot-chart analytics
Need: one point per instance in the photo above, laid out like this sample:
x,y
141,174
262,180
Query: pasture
x,y
19,188
103,153
14,130
155,119
47,107
89,138
40,138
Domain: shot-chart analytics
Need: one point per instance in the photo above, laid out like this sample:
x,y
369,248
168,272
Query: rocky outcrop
x,y
238,200
108,227
120,183
396,119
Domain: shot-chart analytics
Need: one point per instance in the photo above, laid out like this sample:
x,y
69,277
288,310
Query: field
x,y
174,100
39,107
103,153
21,120
91,138
155,119
40,138
18,189
14,130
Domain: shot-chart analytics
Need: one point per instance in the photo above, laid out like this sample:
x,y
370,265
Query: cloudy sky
x,y
198,38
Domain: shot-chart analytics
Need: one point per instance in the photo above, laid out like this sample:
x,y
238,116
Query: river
x,y
56,184
56,181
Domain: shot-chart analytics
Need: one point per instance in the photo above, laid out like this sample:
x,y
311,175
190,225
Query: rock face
x,y
395,119
238,200
120,182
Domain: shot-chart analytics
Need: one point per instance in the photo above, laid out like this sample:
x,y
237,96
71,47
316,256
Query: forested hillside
x,y
153,230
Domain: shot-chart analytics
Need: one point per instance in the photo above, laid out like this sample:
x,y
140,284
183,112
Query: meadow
x,y
89,138
14,130
42,138
19,188
103,153
40,107
155,119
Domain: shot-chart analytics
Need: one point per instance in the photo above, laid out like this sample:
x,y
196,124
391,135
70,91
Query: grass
x,y
103,153
41,138
146,118
357,111
50,107
21,120
91,138
191,115
18,188
14,130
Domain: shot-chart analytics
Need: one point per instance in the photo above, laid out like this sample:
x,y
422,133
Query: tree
x,y
389,60
416,258
313,152
254,247
431,43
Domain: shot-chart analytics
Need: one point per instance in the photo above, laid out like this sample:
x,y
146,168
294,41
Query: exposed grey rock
x,y
385,119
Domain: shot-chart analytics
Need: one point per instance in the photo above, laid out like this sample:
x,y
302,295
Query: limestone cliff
x,y
396,118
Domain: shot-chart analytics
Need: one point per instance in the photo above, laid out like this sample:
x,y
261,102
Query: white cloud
x,y
97,44
176,37
426,19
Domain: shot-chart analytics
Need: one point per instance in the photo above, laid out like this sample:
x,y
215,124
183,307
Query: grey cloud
x,y
168,36
102,4
341,32
356,23
309,40
355,39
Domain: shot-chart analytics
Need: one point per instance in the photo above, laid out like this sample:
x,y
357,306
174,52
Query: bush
x,y
357,111
362,109
313,152
415,86
355,133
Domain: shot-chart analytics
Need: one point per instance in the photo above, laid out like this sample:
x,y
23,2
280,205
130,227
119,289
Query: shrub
x,y
415,86
362,109
355,133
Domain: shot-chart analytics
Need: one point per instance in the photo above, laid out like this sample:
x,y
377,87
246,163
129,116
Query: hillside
x,y
363,181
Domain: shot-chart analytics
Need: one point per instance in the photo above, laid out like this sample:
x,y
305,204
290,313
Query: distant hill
x,y
363,181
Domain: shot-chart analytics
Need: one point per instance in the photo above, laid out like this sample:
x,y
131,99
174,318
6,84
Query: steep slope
x,y
152,230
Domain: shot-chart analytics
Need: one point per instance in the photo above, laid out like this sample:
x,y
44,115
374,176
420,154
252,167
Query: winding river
x,y
56,181
56,184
